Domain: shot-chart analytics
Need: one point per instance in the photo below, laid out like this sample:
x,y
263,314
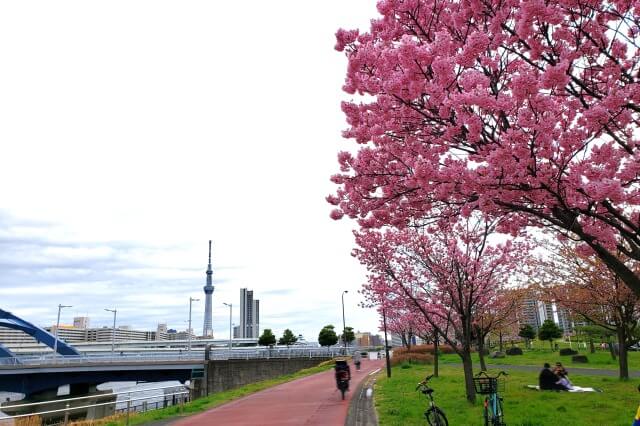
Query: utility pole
x,y
344,325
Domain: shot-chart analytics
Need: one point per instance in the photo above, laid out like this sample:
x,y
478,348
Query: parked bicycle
x,y
434,415
488,385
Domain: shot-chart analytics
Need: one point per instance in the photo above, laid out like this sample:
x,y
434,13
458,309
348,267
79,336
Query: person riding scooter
x,y
343,375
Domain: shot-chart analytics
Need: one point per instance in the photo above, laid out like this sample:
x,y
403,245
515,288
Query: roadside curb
x,y
362,410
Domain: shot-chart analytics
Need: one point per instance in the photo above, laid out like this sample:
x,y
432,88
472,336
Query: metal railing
x,y
178,398
49,359
147,357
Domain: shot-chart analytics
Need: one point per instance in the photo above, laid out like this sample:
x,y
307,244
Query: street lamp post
x,y
191,300
55,344
113,330
386,343
230,305
344,326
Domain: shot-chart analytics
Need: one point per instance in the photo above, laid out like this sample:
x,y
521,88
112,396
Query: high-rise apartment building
x,y
534,312
249,315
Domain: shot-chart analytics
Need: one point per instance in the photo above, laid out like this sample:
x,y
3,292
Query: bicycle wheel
x,y
436,417
343,390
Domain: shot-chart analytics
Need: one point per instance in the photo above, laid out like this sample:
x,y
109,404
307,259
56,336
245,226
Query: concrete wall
x,y
222,375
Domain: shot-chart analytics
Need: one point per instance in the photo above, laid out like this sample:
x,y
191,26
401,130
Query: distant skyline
x,y
134,132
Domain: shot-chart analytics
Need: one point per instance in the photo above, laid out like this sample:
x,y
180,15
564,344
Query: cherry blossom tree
x,y
447,277
497,316
406,323
585,286
526,110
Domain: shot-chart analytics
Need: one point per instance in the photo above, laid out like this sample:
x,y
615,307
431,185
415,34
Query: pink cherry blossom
x,y
523,110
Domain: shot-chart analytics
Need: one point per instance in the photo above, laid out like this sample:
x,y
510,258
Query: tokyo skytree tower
x,y
207,329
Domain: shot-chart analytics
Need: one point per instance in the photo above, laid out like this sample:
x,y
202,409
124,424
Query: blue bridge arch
x,y
9,320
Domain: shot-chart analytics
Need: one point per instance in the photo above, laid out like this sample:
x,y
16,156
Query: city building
x,y
81,322
69,333
249,315
207,328
367,339
534,312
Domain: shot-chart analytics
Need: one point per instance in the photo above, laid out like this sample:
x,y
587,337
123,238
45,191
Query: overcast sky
x,y
132,132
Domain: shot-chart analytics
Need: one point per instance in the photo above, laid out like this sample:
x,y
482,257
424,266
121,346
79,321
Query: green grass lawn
x,y
538,356
398,403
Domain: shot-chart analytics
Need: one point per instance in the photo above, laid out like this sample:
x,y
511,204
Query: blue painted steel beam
x,y
5,353
8,320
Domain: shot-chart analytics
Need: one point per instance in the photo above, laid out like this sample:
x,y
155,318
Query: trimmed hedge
x,y
580,358
411,358
424,349
568,351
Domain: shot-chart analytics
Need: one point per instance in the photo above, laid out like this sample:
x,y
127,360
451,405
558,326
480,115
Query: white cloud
x,y
132,132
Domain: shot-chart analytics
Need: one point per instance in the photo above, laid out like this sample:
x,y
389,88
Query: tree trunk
x,y
435,354
592,348
611,349
467,366
622,354
483,364
500,337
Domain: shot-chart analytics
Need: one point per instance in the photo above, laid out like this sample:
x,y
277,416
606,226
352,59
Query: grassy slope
x,y
219,398
399,404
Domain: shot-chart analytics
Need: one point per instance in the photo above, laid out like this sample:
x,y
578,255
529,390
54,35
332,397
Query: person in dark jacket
x,y
547,379
342,372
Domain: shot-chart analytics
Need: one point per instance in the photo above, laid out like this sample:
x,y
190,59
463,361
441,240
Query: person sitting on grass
x,y
547,379
560,370
563,382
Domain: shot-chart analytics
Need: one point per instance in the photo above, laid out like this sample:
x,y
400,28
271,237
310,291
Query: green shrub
x,y
568,351
580,358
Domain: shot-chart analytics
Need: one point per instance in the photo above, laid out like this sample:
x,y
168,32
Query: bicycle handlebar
x,y
424,382
502,373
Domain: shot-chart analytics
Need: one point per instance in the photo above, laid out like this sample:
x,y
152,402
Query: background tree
x,y
445,277
527,333
549,331
267,338
348,335
327,336
523,110
591,333
582,283
497,316
288,338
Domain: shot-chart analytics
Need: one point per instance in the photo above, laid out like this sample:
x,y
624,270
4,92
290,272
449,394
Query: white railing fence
x,y
131,405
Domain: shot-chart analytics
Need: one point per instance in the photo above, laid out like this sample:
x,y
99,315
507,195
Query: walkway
x,y
312,400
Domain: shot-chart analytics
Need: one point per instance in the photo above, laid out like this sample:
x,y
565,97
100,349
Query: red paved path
x,y
312,400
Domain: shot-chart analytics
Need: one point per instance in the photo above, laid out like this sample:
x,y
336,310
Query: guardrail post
x,y
66,414
128,408
181,403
